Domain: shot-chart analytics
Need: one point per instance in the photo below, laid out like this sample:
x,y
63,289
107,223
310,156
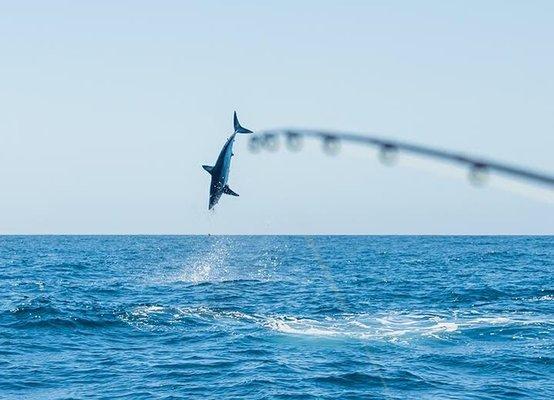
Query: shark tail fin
x,y
238,127
208,168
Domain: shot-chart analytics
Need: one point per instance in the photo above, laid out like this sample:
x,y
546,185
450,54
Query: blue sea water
x,y
285,317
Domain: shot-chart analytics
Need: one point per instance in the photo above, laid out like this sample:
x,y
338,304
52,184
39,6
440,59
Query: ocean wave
x,y
548,297
32,310
44,312
68,322
157,317
177,313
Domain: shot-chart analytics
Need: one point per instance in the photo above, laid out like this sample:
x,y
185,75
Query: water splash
x,y
218,262
208,266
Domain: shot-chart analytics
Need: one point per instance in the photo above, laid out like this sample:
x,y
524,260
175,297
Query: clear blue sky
x,y
108,109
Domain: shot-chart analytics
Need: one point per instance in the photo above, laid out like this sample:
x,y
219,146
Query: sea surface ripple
x,y
284,317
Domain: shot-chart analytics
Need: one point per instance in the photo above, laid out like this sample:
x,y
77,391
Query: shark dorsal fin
x,y
226,190
208,168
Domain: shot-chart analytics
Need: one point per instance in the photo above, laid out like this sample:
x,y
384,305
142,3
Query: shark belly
x,y
227,165
226,161
221,174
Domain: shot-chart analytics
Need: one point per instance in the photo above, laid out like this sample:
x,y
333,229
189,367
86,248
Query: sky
x,y
109,109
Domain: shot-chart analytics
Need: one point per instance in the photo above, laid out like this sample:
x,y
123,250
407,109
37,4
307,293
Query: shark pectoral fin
x,y
208,168
226,190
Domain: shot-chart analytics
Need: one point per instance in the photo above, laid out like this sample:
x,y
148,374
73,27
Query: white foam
x,y
206,312
487,320
391,327
144,311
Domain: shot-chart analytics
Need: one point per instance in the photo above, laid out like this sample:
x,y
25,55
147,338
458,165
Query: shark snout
x,y
214,198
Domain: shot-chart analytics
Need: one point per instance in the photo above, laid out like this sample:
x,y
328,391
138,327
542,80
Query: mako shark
x,y
220,171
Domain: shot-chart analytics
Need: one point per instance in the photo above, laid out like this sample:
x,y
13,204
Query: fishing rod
x,y
389,150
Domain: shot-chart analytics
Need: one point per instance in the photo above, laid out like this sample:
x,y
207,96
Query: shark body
x,y
220,171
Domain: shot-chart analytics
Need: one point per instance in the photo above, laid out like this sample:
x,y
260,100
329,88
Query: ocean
x,y
276,317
